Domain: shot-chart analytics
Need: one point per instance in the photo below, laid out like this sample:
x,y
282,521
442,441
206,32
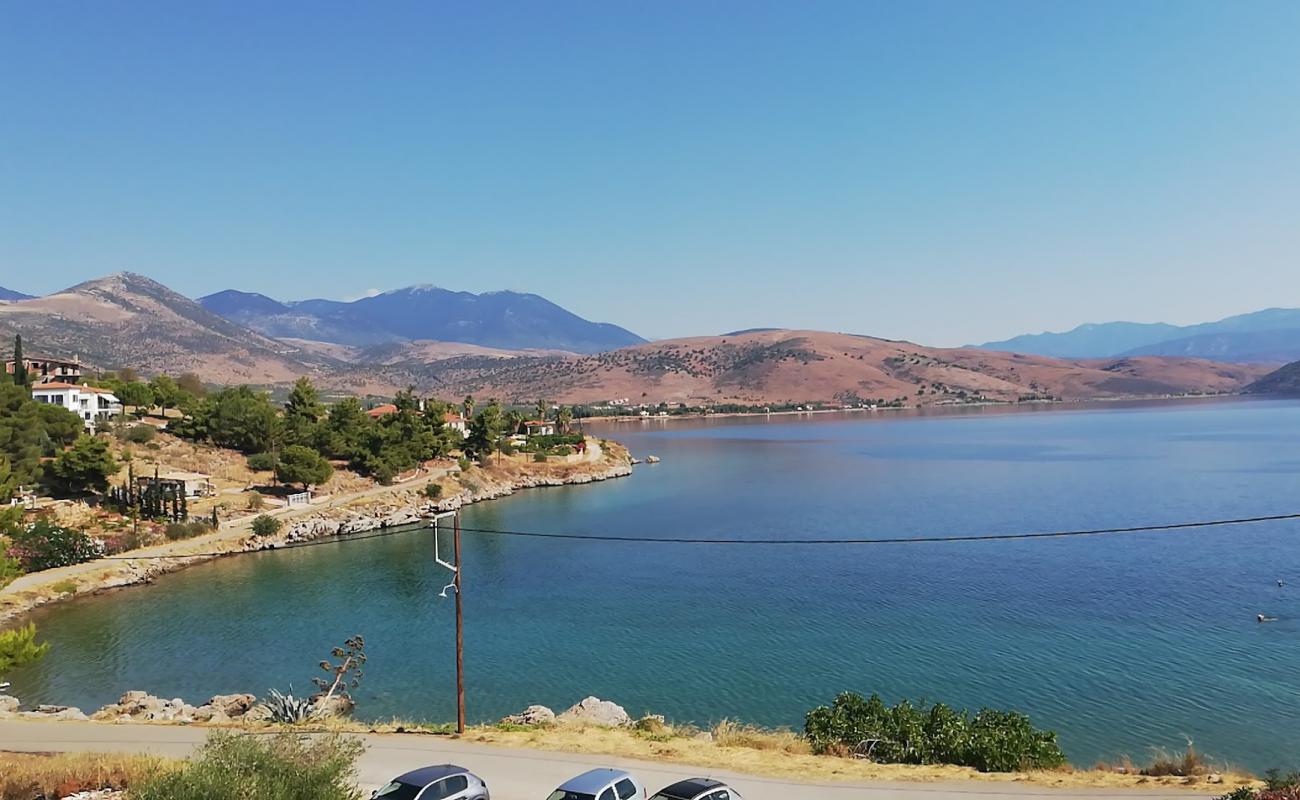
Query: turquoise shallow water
x,y
1119,643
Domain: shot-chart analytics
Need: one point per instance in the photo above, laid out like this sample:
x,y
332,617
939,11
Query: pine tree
x,y
20,367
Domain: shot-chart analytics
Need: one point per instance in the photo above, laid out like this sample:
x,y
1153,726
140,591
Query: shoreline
x,y
926,410
373,509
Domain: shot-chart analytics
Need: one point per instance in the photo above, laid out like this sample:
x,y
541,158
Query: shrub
x,y
176,531
263,462
464,463
266,525
539,458
42,545
67,586
990,740
10,569
138,434
282,767
255,502
433,491
19,647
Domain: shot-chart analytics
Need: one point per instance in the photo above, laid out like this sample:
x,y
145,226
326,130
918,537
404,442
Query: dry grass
x,y
27,775
781,753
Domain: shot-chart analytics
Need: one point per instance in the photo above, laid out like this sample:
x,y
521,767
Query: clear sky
x,y
944,172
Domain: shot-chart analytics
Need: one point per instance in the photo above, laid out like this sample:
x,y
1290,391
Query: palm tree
x,y
541,410
564,418
468,407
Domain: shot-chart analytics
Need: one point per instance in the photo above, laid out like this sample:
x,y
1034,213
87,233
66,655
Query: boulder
x,y
233,705
8,705
594,711
55,712
339,705
533,715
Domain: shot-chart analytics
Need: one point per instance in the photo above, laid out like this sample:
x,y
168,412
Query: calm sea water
x,y
1119,643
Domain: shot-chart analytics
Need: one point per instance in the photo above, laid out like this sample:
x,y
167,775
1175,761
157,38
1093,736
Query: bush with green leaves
x,y
265,525
175,531
232,766
989,740
433,491
263,462
138,434
44,545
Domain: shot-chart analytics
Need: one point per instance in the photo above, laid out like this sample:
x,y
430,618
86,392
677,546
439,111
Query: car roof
x,y
426,775
593,781
689,788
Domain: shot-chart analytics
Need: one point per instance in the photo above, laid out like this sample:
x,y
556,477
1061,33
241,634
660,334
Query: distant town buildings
x,y
92,405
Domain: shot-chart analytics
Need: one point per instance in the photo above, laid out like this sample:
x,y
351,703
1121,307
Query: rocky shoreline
x,y
400,506
232,709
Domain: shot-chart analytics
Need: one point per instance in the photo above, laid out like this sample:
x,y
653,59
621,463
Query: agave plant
x,y
287,709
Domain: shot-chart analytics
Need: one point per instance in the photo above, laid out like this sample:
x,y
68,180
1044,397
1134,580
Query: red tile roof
x,y
383,411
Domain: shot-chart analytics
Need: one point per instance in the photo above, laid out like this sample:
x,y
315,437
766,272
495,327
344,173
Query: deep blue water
x,y
1121,643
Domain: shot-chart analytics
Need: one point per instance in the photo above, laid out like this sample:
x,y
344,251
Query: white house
x,y
87,402
536,427
457,423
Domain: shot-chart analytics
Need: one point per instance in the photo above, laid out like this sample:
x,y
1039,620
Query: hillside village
x,y
106,464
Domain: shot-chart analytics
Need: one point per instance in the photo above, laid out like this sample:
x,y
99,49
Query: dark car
x,y
697,789
441,782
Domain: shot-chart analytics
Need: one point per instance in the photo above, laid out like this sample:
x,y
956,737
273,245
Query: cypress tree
x,y
20,369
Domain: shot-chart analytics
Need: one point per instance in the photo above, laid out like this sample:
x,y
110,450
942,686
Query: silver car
x,y
698,789
441,782
600,784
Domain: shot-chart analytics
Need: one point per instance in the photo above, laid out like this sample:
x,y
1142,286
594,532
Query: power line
x,y
989,537
590,537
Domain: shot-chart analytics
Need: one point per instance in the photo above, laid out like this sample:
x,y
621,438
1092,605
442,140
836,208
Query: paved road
x,y
523,774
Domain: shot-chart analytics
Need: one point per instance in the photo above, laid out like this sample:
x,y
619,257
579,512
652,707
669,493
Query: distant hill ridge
x,y
1270,335
504,319
1285,381
9,295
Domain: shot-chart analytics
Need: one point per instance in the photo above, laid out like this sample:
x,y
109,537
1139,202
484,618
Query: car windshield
x,y
662,796
398,791
560,794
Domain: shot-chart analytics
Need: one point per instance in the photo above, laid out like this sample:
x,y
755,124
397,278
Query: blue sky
x,y
939,171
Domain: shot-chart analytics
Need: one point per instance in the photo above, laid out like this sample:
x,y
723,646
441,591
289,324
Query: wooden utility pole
x,y
460,638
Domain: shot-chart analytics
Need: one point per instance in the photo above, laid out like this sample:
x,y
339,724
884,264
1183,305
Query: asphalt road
x,y
513,774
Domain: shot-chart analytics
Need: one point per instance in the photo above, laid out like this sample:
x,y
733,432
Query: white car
x,y
600,784
441,782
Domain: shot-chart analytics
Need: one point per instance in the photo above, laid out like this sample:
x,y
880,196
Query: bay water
x,y
1120,643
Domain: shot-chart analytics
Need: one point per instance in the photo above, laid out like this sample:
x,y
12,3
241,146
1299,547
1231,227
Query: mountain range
x,y
1268,336
9,295
129,320
507,320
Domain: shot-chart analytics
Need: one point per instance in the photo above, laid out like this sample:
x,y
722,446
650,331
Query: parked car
x,y
697,789
441,782
600,784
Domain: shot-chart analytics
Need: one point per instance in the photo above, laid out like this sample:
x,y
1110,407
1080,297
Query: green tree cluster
x,y
84,467
988,740
29,432
242,419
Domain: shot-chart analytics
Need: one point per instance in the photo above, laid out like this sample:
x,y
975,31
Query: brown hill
x,y
775,366
129,320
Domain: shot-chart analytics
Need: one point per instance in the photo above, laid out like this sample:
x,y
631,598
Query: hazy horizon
x,y
937,172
